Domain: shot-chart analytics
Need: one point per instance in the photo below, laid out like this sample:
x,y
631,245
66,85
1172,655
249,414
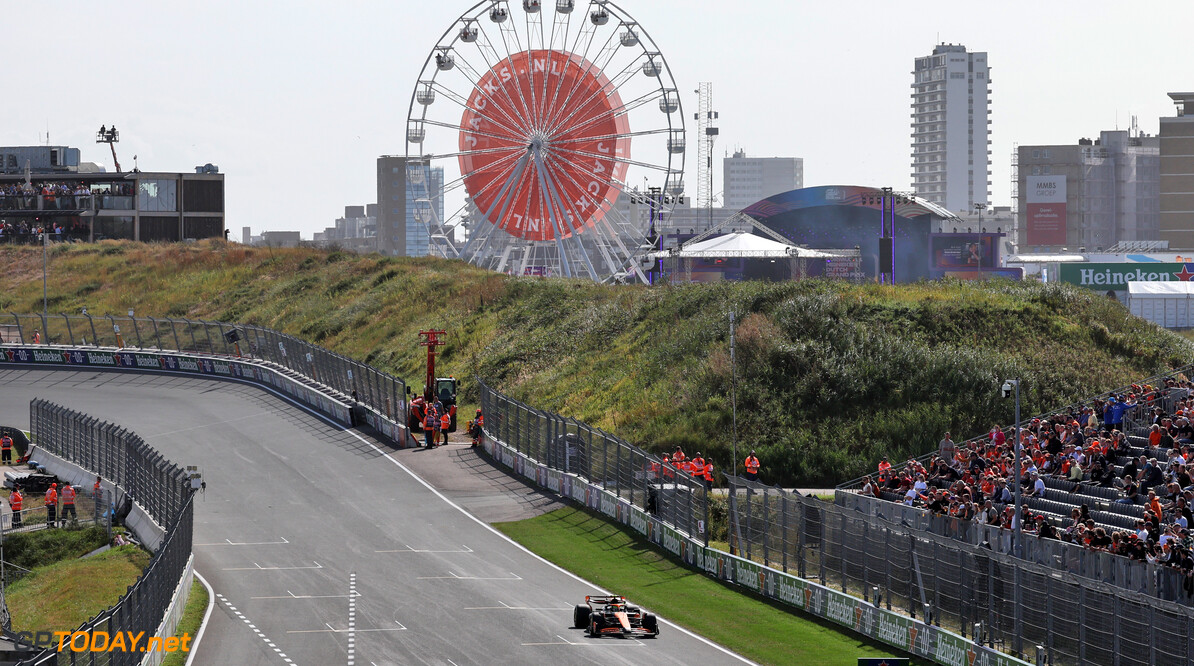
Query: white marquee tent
x,y
1168,304
740,245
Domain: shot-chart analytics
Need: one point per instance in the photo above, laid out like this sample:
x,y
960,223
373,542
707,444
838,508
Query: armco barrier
x,y
244,369
899,631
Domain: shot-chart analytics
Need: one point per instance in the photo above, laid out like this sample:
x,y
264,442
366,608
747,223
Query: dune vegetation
x,y
830,375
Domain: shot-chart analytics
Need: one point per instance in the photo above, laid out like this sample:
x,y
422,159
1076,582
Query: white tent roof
x,y
740,245
1045,258
1160,289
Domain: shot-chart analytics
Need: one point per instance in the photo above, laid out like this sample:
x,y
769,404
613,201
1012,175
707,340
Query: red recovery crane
x,y
443,388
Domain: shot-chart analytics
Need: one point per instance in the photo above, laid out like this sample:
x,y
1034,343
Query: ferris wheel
x,y
530,130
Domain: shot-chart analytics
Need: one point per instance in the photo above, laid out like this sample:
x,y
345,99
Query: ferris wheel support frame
x,y
608,239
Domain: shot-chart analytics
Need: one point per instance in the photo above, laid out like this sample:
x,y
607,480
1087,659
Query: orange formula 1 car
x,y
612,615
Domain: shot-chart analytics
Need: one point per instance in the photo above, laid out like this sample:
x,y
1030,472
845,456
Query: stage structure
x,y
542,114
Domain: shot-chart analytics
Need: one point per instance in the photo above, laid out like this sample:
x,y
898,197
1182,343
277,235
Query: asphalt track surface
x,y
323,547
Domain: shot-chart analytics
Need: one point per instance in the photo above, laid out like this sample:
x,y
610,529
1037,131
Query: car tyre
x,y
651,624
595,626
580,616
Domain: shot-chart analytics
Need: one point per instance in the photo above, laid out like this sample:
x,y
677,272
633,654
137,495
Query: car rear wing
x,y
604,599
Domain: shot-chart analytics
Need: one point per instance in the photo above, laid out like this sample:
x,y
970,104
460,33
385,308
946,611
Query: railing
x,y
572,447
850,611
155,484
974,589
378,390
1155,380
1162,582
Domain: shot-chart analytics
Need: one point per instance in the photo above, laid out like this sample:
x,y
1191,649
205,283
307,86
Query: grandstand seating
x,y
1062,496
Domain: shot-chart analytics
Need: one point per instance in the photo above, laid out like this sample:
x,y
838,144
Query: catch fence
x,y
990,596
573,447
378,390
158,486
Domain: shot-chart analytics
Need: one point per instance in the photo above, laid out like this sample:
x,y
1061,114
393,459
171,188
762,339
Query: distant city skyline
x,y
296,106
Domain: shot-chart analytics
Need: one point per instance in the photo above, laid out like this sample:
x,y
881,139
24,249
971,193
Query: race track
x,y
323,548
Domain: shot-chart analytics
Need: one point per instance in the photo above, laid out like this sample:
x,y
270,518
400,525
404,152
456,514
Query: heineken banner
x,y
1117,276
899,631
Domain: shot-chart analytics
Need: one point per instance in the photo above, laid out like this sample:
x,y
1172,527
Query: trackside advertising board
x,y
850,612
1117,276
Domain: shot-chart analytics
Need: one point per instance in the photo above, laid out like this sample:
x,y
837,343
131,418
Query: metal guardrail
x,y
377,390
157,485
573,447
991,596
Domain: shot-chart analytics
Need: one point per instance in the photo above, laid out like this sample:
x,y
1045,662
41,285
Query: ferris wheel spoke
x,y
572,214
490,101
490,135
608,89
509,34
587,29
573,153
520,105
522,122
516,131
612,211
621,110
563,20
552,218
506,195
461,182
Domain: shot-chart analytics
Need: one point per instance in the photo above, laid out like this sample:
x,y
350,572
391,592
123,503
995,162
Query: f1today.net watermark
x,y
101,641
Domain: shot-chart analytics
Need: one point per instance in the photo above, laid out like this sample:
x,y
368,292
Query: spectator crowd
x,y
1087,456
58,196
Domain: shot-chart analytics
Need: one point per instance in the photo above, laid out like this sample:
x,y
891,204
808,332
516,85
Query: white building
x,y
746,180
950,133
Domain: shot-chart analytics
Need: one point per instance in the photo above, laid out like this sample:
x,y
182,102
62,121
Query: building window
x,y
158,196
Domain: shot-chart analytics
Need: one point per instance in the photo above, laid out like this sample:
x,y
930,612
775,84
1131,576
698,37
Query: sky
x,y
294,101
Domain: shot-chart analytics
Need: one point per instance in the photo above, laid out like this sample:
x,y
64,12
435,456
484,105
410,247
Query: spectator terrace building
x,y
49,185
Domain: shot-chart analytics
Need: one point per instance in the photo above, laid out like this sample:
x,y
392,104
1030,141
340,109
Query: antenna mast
x,y
707,134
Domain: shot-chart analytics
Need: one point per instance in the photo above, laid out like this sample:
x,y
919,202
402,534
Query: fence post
x,y
842,550
748,521
887,565
866,587
1049,616
1018,614
783,507
708,527
1152,634
936,586
1115,646
618,471
766,528
961,598
801,525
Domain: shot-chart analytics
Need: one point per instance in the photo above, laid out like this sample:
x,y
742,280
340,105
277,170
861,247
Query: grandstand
x,y
1096,462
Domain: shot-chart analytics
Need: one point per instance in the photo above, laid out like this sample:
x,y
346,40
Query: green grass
x,y
192,618
831,376
33,549
624,563
64,595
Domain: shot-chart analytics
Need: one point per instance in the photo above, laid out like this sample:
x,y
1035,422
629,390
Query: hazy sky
x,y
295,100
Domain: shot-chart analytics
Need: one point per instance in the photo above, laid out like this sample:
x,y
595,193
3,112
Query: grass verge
x,y
64,595
627,564
192,617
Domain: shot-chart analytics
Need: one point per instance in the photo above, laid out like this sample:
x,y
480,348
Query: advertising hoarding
x,y
1046,210
971,251
1117,276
